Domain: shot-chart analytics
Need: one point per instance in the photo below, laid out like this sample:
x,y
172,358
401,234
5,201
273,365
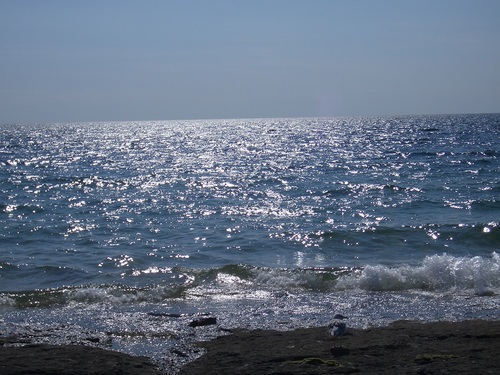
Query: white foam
x,y
95,295
437,272
7,301
116,295
308,279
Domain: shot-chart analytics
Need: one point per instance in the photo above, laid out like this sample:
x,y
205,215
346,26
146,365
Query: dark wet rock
x,y
203,322
338,351
179,352
71,360
166,315
401,348
9,340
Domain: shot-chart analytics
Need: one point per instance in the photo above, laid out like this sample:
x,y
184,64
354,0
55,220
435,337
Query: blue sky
x,y
112,60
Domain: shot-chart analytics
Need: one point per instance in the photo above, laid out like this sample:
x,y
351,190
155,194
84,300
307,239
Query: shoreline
x,y
401,347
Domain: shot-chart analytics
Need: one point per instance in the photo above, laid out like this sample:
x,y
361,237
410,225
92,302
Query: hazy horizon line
x,y
246,118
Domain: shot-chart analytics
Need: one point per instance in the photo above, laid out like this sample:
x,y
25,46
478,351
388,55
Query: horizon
x,y
68,62
252,118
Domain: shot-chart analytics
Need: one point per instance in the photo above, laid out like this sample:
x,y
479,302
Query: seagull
x,y
337,327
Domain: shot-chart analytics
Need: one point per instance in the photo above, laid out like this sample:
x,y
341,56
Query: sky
x,y
118,60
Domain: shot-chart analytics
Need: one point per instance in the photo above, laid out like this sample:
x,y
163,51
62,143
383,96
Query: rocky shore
x,y
71,360
401,348
470,347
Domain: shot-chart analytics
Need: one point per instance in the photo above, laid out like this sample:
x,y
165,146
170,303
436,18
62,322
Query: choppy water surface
x,y
263,222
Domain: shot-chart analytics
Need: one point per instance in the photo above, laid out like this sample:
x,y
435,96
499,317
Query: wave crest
x,y
437,273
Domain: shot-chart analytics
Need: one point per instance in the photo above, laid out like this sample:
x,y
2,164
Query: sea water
x,y
127,231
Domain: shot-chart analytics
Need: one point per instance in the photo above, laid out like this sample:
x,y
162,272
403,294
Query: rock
x,y
203,322
71,360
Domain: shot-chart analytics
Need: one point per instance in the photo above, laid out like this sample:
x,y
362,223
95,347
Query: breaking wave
x,y
436,273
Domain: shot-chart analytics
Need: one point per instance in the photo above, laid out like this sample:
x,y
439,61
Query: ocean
x,y
123,233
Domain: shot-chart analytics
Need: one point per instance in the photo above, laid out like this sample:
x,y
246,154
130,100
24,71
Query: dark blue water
x,y
226,215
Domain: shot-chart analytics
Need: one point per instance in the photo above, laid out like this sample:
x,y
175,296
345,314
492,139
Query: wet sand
x,y
400,348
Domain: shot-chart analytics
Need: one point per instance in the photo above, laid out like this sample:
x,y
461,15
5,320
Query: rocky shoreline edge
x,y
401,347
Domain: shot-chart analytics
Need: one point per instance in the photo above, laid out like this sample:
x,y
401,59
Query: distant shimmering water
x,y
263,222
